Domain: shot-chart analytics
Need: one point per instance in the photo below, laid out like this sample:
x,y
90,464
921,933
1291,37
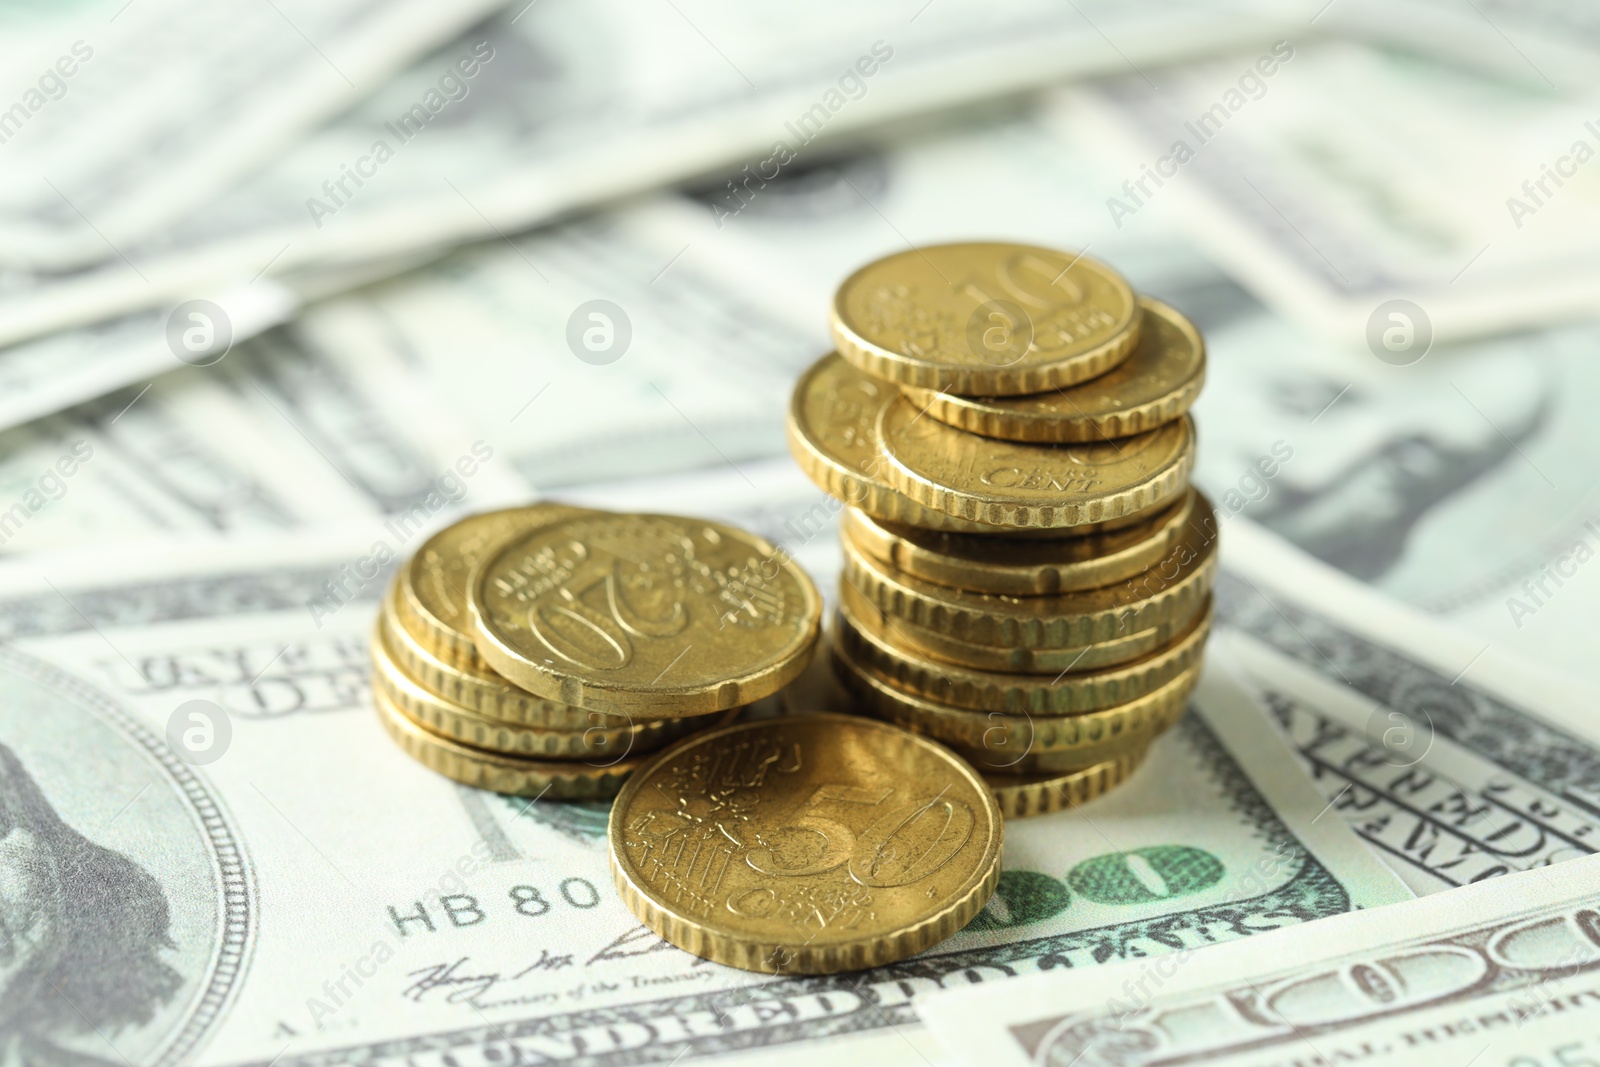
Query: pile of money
x,y
548,650
1027,571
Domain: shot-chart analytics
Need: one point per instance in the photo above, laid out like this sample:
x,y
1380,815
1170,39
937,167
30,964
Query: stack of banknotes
x,y
285,292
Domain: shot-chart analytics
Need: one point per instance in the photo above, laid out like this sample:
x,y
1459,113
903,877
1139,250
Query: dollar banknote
x,y
1457,761
1543,43
1391,471
274,881
1288,167
69,367
61,370
176,459
1501,972
118,118
202,453
547,108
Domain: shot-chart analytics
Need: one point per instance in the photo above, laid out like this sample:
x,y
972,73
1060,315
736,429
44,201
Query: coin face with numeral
x,y
985,318
809,844
650,614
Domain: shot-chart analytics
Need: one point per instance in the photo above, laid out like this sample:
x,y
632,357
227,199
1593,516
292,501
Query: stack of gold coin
x,y
547,650
1027,571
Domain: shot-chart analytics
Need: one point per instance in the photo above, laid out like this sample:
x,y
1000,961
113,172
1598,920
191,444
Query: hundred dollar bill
x,y
547,108
176,457
275,882
1542,43
1499,973
269,439
51,373
595,356
1455,484
1336,179
1384,471
128,115
57,371
1457,762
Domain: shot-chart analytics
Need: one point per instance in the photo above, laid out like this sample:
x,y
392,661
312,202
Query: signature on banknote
x,y
457,984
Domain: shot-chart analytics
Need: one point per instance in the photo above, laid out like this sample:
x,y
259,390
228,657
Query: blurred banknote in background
x,y
285,286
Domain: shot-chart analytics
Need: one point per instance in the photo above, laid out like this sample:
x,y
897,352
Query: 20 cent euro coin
x,y
649,614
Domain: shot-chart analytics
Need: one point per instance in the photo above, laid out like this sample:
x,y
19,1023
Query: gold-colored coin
x,y
1169,590
1020,796
552,779
985,318
1034,694
805,844
1017,566
606,738
993,759
480,691
1153,386
1032,486
663,615
1015,660
833,435
431,587
993,740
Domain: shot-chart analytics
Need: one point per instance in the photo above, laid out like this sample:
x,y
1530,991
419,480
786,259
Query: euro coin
x,y
805,844
833,435
1015,659
663,615
606,737
832,432
431,586
993,741
1032,486
501,773
1169,590
1033,694
479,690
985,318
993,758
1014,566
1153,386
1021,796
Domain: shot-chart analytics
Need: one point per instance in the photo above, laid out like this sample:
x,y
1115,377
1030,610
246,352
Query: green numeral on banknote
x,y
1159,872
1023,897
